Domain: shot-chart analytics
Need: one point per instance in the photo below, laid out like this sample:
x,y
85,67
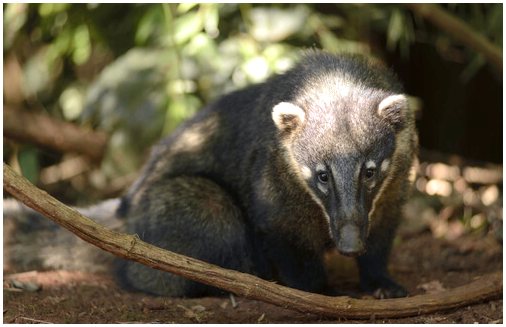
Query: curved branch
x,y
459,30
132,248
25,126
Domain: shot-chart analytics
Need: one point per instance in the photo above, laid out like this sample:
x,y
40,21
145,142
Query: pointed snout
x,y
350,242
348,210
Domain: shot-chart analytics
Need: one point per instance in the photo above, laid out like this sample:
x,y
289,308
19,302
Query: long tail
x,y
33,242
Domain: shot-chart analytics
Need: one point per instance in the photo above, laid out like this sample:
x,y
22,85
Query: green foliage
x,y
29,162
14,19
128,98
400,31
137,71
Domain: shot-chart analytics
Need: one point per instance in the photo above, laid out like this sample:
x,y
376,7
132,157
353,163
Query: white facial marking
x,y
310,191
370,164
384,165
357,171
322,188
320,167
306,172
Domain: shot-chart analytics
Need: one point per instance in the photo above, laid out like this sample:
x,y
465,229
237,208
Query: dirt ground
x,y
420,262
451,235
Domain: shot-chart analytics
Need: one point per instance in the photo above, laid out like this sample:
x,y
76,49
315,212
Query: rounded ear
x,y
288,117
394,110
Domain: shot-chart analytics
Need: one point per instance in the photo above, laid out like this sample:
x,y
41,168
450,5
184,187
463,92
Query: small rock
x,y
198,308
26,286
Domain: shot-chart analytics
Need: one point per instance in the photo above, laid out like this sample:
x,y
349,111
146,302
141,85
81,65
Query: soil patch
x,y
420,262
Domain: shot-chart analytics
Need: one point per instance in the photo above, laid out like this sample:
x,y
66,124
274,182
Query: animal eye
x,y
370,172
323,177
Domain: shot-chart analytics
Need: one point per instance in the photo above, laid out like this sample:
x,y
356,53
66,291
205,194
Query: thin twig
x,y
32,320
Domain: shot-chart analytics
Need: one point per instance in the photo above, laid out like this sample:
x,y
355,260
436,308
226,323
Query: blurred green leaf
x,y
149,25
187,26
140,69
211,18
472,68
494,25
72,102
183,8
180,109
200,44
14,18
129,99
82,45
395,29
36,75
274,25
332,21
329,41
400,32
49,9
29,162
60,47
256,69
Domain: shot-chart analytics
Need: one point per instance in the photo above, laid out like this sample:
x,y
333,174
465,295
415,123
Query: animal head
x,y
340,130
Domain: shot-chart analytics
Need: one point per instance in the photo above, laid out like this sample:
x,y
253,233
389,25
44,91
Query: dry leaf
x,y
434,286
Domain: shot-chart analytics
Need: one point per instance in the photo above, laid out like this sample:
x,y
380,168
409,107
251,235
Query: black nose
x,y
350,242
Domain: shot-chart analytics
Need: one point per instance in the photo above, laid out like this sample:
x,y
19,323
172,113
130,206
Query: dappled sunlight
x,y
35,280
458,199
195,137
133,75
438,187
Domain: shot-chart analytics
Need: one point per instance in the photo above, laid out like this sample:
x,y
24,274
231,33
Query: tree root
x,y
132,248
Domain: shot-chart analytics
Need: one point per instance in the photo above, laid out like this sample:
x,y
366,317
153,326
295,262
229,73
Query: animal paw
x,y
384,288
390,292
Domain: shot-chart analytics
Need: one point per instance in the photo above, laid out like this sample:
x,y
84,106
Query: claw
x,y
388,293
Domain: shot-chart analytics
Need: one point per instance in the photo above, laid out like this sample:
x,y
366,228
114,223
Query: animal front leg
x,y
297,268
374,276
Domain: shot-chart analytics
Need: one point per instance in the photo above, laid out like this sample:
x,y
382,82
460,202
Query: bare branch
x,y
44,131
132,248
459,30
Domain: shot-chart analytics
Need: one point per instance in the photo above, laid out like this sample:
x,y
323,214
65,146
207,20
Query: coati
x,y
267,178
